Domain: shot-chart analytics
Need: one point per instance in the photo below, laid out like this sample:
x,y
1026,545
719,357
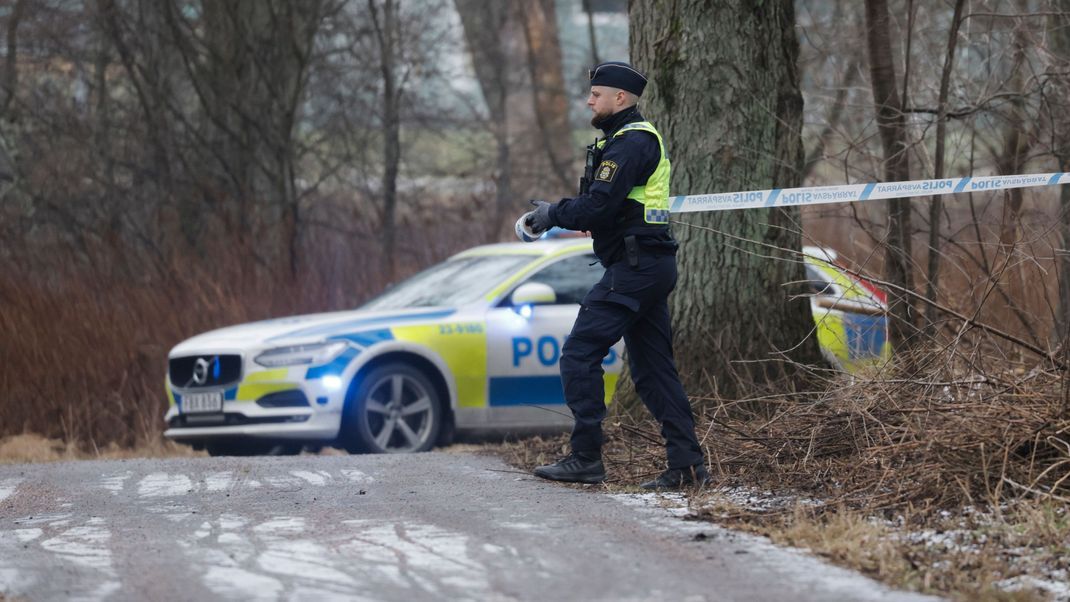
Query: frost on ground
x,y
1024,543
1058,589
1038,565
803,569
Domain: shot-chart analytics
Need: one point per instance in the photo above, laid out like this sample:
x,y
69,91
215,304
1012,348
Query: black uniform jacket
x,y
606,211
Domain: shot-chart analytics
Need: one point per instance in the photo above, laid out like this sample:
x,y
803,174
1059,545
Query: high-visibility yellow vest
x,y
654,195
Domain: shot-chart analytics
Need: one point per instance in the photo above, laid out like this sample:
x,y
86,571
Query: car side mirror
x,y
533,293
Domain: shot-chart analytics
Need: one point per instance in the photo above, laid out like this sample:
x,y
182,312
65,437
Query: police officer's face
x,y
603,102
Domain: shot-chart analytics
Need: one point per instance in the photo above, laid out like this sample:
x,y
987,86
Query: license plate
x,y
202,403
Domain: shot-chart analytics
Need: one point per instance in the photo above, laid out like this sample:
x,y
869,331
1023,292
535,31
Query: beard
x,y
599,118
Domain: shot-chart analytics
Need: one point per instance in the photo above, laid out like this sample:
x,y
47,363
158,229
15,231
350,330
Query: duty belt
x,y
632,248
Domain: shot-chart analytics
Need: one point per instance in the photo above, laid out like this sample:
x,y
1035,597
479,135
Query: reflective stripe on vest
x,y
654,195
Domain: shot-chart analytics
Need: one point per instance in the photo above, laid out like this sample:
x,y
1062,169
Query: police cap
x,y
616,74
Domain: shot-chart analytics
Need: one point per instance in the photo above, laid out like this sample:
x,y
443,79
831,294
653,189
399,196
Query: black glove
x,y
539,220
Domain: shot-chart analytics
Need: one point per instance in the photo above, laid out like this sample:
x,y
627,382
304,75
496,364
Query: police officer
x,y
624,204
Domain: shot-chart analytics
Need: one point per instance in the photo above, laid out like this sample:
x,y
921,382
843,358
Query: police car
x,y
469,344
850,313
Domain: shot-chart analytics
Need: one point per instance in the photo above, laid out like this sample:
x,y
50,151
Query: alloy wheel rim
x,y
398,412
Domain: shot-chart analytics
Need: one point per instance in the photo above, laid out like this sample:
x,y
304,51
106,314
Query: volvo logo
x,y
201,368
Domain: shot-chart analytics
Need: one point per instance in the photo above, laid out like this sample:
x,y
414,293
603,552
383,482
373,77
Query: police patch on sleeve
x,y
606,171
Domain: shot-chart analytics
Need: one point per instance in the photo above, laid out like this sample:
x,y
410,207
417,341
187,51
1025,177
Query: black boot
x,y
577,467
679,478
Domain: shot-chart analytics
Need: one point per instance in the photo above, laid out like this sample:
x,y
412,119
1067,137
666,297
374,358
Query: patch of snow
x,y
531,527
1058,587
204,531
356,476
427,556
320,477
115,482
286,482
8,487
25,535
791,564
87,546
161,484
230,582
229,522
218,481
757,500
302,560
280,526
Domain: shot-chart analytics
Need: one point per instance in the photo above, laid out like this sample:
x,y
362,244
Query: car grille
x,y
182,420
197,371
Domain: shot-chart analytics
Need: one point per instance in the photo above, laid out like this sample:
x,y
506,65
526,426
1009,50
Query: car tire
x,y
394,409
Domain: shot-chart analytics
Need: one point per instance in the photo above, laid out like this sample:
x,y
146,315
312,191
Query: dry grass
x,y
962,553
83,355
32,448
888,462
965,555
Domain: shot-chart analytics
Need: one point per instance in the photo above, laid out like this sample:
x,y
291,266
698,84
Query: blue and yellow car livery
x,y
850,315
485,364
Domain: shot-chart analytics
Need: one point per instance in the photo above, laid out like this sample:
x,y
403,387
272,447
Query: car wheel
x,y
395,409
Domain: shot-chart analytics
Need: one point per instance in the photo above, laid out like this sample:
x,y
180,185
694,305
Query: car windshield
x,y
454,282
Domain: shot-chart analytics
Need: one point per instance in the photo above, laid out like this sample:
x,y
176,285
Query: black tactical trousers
x,y
629,302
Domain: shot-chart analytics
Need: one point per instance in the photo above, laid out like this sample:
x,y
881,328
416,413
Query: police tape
x,y
848,193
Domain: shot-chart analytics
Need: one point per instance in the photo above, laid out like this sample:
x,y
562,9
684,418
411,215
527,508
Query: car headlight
x,y
296,355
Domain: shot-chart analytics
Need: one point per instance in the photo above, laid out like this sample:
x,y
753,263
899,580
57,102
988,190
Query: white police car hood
x,y
304,329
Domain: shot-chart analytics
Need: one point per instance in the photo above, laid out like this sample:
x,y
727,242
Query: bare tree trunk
x,y
10,81
9,88
936,204
737,127
485,25
386,32
906,53
891,123
547,78
590,32
832,120
1016,145
835,112
139,47
247,64
102,124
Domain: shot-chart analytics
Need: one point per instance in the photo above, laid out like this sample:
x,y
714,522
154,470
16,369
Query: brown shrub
x,y
85,335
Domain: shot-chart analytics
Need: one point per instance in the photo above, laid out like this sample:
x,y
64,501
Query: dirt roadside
x,y
1018,551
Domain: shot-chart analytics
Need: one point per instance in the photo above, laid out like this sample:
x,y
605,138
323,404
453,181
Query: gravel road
x,y
432,526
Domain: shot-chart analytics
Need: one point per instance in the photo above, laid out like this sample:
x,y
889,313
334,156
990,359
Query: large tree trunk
x,y
548,86
891,123
724,91
1059,105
